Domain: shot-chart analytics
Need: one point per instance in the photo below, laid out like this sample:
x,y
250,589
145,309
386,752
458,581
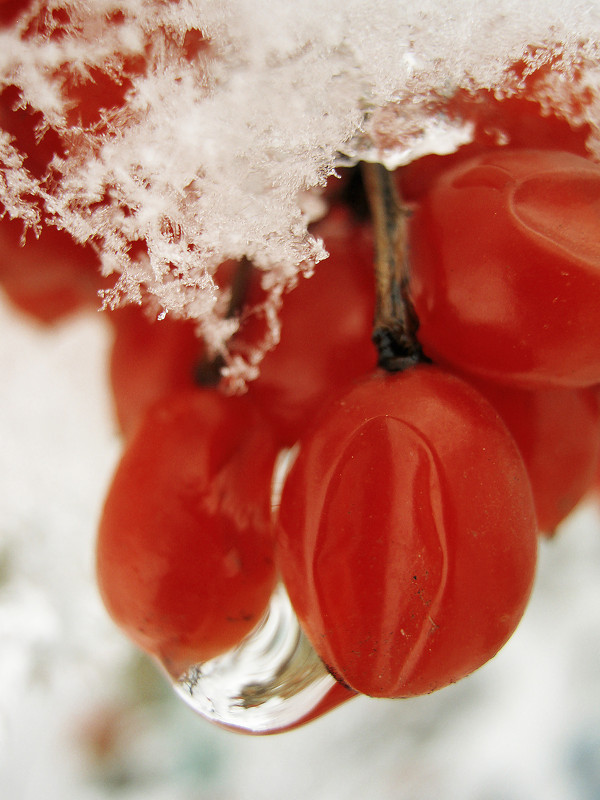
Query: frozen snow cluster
x,y
183,133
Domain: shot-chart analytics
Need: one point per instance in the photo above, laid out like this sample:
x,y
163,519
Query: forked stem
x,y
395,324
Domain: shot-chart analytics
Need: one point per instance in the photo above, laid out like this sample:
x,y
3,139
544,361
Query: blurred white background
x,y
83,717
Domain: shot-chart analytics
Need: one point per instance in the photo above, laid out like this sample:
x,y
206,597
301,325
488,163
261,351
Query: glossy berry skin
x,y
407,534
326,325
149,360
505,268
185,549
558,434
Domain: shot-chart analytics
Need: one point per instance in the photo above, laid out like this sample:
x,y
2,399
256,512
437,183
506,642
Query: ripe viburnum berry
x,y
558,433
149,360
505,268
48,277
185,549
407,533
326,324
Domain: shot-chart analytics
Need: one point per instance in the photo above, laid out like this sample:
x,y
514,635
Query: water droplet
x,y
272,681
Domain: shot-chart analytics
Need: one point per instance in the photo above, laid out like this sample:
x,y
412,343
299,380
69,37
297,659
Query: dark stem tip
x,y
207,373
396,350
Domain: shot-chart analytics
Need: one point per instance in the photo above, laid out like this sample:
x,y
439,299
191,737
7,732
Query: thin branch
x,y
395,324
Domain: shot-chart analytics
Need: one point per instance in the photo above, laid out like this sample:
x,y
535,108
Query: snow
x,y
211,152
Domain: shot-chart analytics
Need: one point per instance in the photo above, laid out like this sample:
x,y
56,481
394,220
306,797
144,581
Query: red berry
x,y
558,434
48,277
150,359
326,324
153,358
407,535
505,268
516,122
185,548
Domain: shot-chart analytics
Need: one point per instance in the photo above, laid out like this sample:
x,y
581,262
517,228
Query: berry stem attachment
x,y
395,324
208,372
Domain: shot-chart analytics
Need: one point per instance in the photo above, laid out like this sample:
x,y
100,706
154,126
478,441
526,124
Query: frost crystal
x,y
175,135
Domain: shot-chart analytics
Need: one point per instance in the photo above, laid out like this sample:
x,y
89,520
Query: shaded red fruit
x,y
149,360
48,277
326,324
558,434
185,549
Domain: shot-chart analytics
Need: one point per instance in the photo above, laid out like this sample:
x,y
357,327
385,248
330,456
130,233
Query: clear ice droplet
x,y
272,681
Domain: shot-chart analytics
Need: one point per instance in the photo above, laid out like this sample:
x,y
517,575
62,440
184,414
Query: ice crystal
x,y
175,135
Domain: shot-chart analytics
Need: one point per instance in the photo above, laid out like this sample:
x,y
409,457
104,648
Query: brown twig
x,y
207,372
395,324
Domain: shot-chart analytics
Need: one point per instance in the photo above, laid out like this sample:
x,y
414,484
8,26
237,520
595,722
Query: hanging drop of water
x,y
272,681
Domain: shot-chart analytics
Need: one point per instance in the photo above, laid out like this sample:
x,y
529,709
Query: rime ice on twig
x,y
227,114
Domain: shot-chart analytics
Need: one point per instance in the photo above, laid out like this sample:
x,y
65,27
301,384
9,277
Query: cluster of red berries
x,y
406,531
408,522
